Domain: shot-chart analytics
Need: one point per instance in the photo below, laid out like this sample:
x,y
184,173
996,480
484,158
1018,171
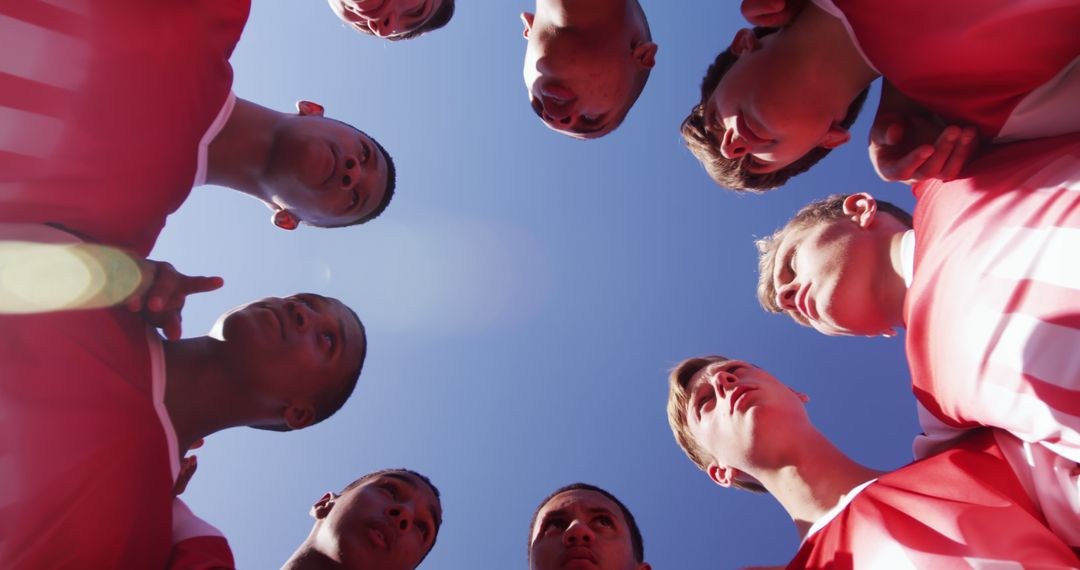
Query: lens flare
x,y
41,277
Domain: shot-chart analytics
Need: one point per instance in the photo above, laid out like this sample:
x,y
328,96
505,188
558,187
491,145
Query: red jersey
x,y
962,508
89,454
1009,67
106,109
197,545
993,309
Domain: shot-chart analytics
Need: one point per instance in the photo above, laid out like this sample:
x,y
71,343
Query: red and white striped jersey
x,y
963,508
993,310
106,110
197,545
1009,67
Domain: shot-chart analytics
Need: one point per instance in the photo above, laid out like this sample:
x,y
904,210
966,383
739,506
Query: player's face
x,y
827,276
755,111
325,172
737,412
295,347
579,530
385,18
388,522
578,89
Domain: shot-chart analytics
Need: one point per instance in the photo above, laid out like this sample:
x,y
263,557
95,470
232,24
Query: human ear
x,y
722,476
861,208
285,219
299,416
527,21
645,54
322,507
305,108
745,41
836,136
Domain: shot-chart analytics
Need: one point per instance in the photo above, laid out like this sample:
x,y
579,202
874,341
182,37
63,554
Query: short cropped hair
x,y
679,401
421,477
821,211
734,173
635,533
640,79
329,402
391,183
438,19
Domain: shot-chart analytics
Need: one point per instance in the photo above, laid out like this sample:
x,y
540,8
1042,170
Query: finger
x,y
171,327
965,149
165,283
752,9
943,149
200,284
904,167
887,130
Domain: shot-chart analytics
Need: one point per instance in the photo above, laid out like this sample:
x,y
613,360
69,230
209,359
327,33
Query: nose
x,y
785,296
557,110
400,516
385,26
723,380
351,175
577,534
303,317
733,146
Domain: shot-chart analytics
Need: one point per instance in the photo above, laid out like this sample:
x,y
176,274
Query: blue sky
x,y
524,295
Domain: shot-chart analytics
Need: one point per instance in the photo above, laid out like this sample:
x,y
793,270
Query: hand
x,y
771,13
909,143
162,292
188,465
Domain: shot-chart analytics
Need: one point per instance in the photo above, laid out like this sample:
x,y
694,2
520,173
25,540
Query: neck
x,y
894,287
827,62
199,396
812,478
238,155
593,16
308,557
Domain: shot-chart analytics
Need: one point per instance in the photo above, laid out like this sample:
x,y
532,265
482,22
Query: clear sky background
x,y
525,295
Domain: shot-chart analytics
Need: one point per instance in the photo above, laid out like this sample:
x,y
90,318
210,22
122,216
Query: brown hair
x,y
734,173
679,401
821,211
